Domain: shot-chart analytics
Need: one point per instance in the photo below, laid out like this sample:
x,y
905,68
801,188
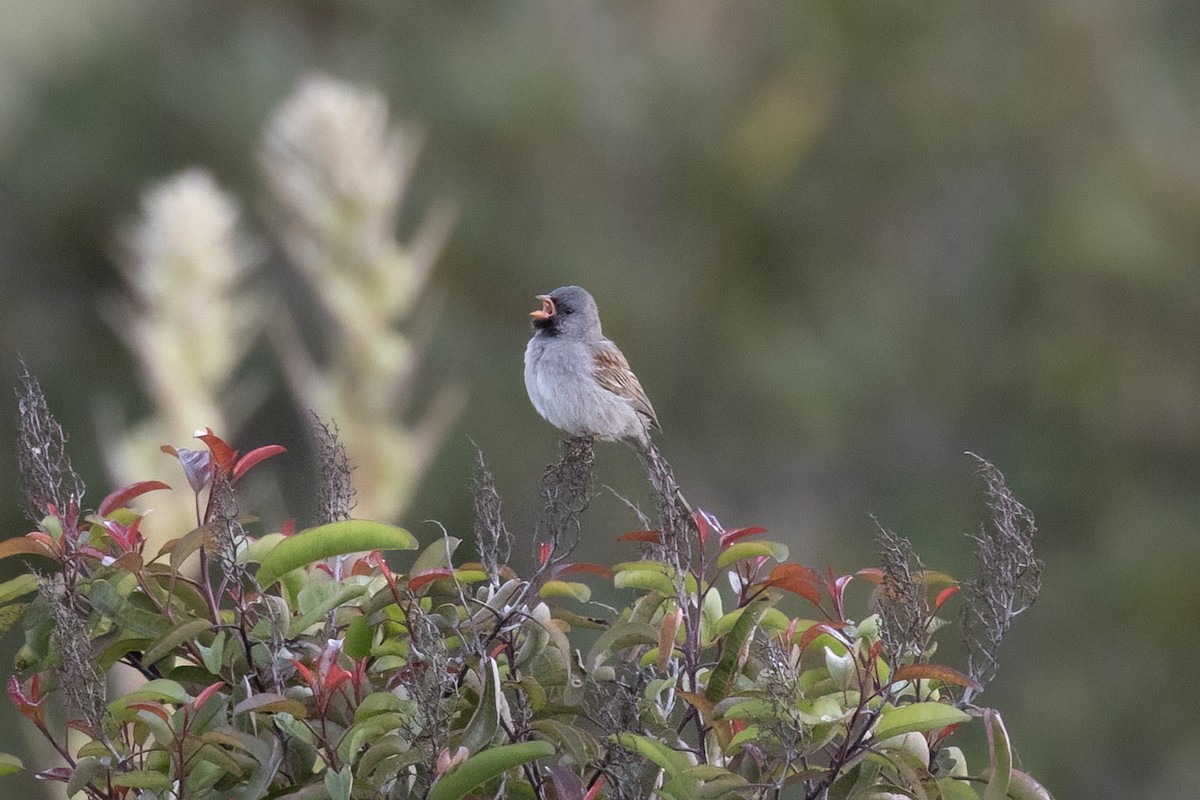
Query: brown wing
x,y
613,373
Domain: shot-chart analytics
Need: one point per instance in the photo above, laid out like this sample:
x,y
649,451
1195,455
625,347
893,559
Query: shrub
x,y
299,664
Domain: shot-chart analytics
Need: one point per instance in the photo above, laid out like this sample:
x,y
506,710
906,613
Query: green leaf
x,y
650,580
733,650
18,587
360,635
142,779
10,615
744,550
322,598
188,630
669,760
957,789
485,722
704,781
567,589
483,767
159,689
334,539
435,556
1000,753
920,717
339,784
10,764
86,768
257,550
575,742
268,702
618,637
214,654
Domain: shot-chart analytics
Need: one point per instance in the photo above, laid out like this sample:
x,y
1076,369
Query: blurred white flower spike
x,y
337,170
188,320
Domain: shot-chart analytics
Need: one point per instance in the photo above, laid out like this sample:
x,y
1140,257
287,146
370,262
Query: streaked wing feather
x,y
613,373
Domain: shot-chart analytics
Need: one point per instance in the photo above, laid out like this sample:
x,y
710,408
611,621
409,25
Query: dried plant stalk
x,y
1009,579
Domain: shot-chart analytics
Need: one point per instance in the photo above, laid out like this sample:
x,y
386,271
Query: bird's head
x,y
569,312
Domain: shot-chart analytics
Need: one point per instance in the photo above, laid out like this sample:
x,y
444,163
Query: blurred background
x,y
841,243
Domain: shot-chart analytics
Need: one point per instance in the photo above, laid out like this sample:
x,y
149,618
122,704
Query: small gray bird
x,y
578,380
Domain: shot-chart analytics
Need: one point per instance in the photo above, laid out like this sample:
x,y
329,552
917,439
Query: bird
x,y
578,380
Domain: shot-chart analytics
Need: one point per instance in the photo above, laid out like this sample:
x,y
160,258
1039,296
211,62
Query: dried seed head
x,y
46,473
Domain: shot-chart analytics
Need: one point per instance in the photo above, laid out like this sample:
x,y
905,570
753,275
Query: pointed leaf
x,y
567,785
1000,755
335,538
797,579
121,497
733,650
246,462
485,722
483,767
741,533
650,580
744,550
24,545
919,717
944,595
936,672
18,587
179,634
664,757
649,537
419,582
10,764
582,566
222,453
269,702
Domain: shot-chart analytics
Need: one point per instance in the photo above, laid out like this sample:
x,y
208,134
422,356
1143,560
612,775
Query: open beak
x,y
547,309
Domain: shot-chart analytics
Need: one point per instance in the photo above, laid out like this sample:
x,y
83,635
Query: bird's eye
x,y
565,309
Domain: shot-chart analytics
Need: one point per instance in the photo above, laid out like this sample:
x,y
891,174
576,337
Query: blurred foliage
x,y
841,243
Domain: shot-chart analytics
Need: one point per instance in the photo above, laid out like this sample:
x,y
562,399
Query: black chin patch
x,y
548,326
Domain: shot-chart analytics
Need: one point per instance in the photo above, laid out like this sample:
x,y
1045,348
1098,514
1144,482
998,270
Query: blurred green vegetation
x,y
841,243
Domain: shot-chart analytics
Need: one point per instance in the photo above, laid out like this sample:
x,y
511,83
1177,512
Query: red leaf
x,y
839,588
651,537
543,553
595,569
741,533
944,595
364,566
254,456
28,705
701,525
34,544
935,672
222,453
594,792
305,672
797,579
157,709
207,692
816,630
121,497
418,582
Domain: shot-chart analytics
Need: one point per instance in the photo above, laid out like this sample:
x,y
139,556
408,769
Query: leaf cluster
x,y
301,664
